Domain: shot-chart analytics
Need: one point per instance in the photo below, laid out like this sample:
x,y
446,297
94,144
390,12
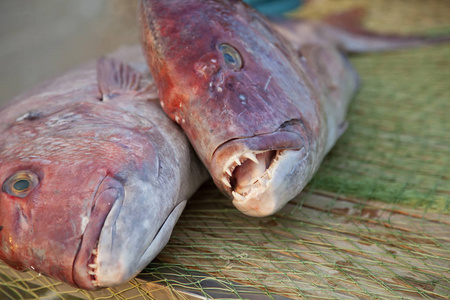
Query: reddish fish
x,y
261,104
94,175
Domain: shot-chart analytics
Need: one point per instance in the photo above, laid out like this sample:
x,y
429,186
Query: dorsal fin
x,y
114,77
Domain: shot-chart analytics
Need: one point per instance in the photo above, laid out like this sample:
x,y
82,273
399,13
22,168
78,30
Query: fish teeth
x,y
237,196
93,266
237,161
95,283
95,252
251,156
91,273
225,182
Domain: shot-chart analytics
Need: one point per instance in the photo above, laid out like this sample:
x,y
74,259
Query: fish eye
x,y
21,184
231,56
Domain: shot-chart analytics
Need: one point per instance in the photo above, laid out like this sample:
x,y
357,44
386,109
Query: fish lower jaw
x,y
247,174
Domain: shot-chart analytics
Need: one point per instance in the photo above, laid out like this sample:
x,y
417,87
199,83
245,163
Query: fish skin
x,y
112,168
293,112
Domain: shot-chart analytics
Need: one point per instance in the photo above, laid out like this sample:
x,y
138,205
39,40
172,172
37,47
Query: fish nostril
x,y
230,86
207,66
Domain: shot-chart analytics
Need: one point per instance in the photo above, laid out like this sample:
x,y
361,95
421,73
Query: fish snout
x,y
265,195
109,195
128,244
245,168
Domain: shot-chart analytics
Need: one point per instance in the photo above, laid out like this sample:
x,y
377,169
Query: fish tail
x,y
346,31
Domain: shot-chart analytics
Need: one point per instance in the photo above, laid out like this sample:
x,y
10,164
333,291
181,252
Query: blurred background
x,y
41,39
271,7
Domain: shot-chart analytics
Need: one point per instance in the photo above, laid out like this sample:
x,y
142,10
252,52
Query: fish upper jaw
x,y
249,170
110,193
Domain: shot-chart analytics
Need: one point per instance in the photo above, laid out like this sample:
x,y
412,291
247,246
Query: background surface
x,y
374,221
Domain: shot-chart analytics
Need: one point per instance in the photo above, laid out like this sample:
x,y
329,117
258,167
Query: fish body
x,y
260,110
94,175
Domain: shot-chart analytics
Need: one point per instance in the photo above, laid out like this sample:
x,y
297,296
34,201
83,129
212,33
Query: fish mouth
x,y
110,192
123,255
245,169
261,189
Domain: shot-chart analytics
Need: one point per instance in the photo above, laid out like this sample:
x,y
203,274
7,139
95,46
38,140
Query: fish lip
x,y
225,154
109,192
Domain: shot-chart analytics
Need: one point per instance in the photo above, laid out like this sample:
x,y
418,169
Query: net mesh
x,y
373,223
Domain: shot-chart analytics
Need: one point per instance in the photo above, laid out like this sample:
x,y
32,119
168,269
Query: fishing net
x,y
373,223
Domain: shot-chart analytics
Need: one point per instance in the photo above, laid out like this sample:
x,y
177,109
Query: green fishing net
x,y
374,223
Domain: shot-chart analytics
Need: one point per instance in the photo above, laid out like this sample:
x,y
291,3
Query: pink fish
x,y
261,103
94,175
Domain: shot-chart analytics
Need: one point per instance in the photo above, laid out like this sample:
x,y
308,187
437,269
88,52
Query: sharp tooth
x,y
93,266
251,156
229,172
225,181
269,174
94,283
237,161
237,196
91,273
95,252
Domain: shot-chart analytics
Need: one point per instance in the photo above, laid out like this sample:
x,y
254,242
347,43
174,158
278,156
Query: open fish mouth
x,y
261,189
245,168
249,170
109,193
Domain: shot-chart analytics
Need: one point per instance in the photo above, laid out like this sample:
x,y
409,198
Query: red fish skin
x,y
43,231
101,158
34,225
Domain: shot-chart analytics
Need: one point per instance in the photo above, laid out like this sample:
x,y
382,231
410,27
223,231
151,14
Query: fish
x,y
261,101
94,175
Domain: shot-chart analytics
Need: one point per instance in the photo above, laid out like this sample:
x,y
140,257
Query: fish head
x,y
51,204
240,93
82,199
